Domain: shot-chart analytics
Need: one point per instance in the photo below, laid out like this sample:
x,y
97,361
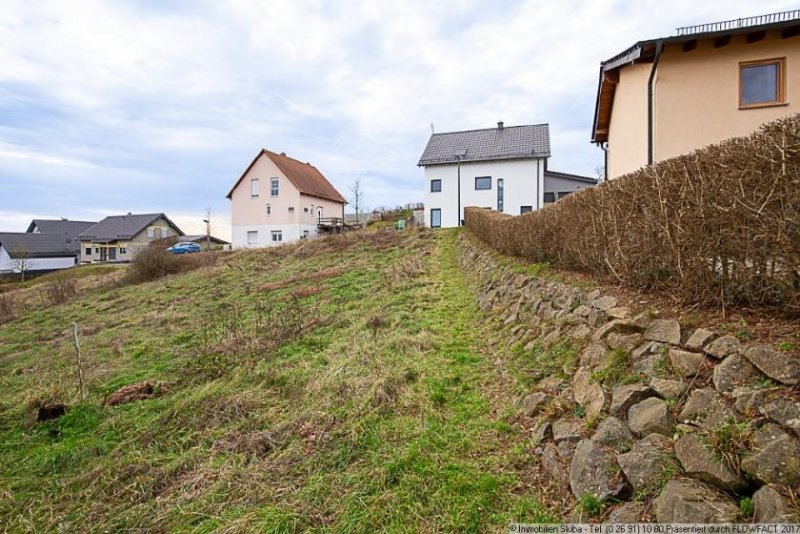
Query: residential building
x,y
36,253
59,226
279,199
119,238
503,168
669,96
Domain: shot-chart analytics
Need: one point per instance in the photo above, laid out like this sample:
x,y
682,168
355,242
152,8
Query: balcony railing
x,y
734,24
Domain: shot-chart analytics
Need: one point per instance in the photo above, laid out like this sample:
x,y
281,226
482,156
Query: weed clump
x,y
61,289
154,262
7,309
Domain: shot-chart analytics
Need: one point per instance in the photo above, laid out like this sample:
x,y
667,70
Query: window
x,y
305,210
549,198
483,182
277,236
151,231
252,238
761,83
291,209
499,194
123,250
254,188
436,186
269,210
274,187
436,218
88,251
97,250
525,209
562,194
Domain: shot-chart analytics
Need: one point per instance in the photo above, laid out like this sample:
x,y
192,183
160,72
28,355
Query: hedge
x,y
718,226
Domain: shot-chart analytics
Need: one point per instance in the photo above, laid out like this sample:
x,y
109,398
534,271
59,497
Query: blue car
x,y
184,247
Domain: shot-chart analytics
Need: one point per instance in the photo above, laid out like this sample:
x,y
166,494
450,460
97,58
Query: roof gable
x,y
51,226
123,227
304,176
491,144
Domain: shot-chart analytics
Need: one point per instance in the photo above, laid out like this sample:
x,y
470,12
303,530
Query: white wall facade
x,y
289,233
523,185
9,265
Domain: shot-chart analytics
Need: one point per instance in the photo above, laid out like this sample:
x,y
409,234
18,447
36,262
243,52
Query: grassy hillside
x,y
335,385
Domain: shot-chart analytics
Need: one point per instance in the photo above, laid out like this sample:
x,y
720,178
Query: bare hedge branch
x,y
718,226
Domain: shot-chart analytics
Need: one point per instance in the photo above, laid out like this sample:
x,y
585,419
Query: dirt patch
x,y
53,411
135,392
256,444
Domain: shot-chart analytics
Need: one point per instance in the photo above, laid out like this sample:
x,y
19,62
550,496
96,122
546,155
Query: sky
x,y
155,106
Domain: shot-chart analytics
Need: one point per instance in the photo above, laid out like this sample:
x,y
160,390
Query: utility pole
x,y
207,220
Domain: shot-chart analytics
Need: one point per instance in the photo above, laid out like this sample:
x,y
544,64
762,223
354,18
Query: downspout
x,y
604,148
659,47
458,214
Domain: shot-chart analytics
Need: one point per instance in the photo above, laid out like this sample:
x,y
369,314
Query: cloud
x,y
140,105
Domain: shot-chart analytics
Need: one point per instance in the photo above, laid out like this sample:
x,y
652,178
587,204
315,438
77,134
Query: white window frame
x,y
253,187
252,238
269,210
274,187
277,236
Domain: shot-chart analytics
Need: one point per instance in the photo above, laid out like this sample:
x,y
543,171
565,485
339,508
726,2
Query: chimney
x,y
500,126
283,154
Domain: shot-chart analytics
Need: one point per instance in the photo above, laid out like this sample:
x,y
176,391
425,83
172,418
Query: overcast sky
x,y
148,106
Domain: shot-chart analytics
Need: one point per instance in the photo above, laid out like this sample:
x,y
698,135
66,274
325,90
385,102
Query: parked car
x,y
184,247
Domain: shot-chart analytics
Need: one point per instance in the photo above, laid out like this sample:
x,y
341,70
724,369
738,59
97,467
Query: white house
x,y
279,199
503,168
36,253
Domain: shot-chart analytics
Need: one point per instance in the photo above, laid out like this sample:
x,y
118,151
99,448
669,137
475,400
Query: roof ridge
x,y
284,155
495,128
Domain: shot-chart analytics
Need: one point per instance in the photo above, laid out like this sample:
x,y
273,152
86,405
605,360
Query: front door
x,y
112,254
103,253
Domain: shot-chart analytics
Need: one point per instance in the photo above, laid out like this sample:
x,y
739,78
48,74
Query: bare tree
x,y
357,197
600,171
22,262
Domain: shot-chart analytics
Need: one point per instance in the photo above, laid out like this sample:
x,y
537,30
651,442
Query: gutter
x,y
659,48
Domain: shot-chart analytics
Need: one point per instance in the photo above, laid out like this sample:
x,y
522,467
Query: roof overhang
x,y
644,52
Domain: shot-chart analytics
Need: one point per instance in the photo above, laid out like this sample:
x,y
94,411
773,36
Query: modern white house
x,y
503,168
279,199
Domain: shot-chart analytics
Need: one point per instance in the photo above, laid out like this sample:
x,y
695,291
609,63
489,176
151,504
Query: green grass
x,y
386,411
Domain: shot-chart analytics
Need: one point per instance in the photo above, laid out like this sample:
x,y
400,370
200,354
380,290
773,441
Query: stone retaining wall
x,y
693,427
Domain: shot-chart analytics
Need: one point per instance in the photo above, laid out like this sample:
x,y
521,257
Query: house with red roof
x,y
279,199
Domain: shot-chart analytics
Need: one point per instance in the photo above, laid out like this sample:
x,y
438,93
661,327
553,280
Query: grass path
x,y
389,415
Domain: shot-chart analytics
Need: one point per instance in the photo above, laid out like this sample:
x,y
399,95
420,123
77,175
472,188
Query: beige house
x,y
119,238
669,96
279,199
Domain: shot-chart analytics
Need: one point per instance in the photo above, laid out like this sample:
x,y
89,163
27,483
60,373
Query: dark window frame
x,y
552,197
525,209
436,181
439,210
500,194
489,178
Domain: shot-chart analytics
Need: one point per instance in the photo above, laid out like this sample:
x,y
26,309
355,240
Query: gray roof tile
x,y
121,227
510,142
28,245
60,226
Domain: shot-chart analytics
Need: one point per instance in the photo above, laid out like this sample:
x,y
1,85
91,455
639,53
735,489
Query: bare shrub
x,y
154,262
232,333
718,226
61,289
7,308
